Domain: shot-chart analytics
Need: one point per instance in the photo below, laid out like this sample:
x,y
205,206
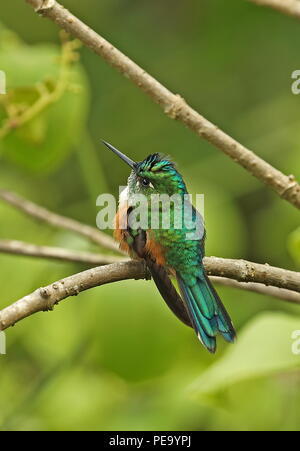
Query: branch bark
x,y
42,214
223,268
92,259
245,271
46,297
279,293
289,7
172,104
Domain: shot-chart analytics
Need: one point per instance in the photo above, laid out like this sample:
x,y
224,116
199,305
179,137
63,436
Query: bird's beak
x,y
123,157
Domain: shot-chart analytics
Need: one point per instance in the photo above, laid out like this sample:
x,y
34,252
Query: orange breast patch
x,y
155,250
120,232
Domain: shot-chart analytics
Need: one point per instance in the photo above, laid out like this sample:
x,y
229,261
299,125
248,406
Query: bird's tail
x,y
206,311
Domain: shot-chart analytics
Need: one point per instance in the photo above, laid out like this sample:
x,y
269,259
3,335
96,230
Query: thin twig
x,y
172,104
46,297
289,7
280,293
56,253
56,220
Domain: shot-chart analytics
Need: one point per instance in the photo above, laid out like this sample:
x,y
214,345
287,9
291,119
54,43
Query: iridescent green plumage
x,y
199,305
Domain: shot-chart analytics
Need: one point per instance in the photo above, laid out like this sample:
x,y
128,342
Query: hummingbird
x,y
171,252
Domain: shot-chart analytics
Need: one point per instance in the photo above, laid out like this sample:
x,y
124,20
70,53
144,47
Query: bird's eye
x,y
145,182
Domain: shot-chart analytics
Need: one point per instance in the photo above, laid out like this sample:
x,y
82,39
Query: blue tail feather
x,y
207,308
204,322
206,311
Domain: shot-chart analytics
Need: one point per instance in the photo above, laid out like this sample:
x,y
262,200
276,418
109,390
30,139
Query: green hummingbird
x,y
171,251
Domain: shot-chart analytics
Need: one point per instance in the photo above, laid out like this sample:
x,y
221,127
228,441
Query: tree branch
x,y
172,104
87,258
42,214
280,293
223,268
245,271
289,7
56,253
46,297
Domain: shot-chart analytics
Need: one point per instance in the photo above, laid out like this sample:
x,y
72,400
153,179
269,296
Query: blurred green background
x,y
114,357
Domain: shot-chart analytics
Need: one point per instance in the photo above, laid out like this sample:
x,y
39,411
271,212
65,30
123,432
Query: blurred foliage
x,y
236,365
115,358
294,245
44,110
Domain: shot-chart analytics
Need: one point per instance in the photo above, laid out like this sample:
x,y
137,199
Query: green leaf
x,y
263,348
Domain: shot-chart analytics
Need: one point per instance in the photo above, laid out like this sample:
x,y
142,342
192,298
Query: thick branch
x,y
289,7
238,270
56,253
172,104
56,220
46,297
280,293
87,258
245,271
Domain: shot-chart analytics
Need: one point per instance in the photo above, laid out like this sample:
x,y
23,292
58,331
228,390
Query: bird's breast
x,y
120,229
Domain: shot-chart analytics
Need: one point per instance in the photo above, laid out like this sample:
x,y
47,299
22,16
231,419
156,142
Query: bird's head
x,y
156,174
